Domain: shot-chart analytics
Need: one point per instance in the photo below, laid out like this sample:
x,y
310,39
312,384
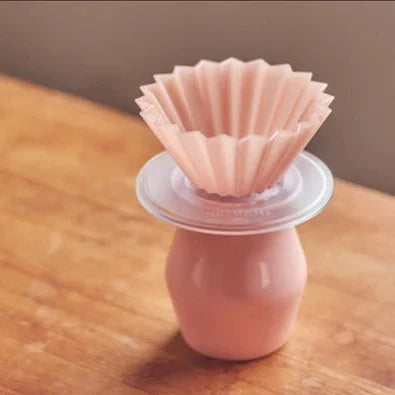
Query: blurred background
x,y
104,50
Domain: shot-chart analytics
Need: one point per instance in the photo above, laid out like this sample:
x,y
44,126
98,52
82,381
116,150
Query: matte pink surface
x,y
236,297
234,127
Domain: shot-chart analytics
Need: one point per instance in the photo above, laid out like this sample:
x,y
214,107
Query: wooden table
x,y
83,303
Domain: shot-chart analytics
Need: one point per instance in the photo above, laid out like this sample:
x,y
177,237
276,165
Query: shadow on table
x,y
176,368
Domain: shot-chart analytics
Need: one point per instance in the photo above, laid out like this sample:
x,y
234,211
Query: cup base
x,y
238,356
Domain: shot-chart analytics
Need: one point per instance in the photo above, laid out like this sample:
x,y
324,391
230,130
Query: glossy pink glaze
x,y
236,297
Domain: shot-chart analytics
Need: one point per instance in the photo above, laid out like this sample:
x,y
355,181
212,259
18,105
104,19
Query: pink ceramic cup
x,y
236,297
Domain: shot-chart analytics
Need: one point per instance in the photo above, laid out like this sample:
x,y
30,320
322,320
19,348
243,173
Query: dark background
x,y
105,50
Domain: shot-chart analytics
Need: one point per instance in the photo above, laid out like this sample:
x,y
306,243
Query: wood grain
x,y
83,303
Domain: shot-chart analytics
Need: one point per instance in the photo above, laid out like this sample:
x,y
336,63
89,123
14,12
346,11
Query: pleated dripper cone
x,y
234,127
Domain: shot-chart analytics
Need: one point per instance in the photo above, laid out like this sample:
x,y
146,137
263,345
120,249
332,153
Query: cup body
x,y
236,297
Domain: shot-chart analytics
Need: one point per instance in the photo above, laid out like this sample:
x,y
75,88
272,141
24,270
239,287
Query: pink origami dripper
x,y
234,128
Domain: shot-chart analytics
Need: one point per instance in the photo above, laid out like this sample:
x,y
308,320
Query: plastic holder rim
x,y
164,191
